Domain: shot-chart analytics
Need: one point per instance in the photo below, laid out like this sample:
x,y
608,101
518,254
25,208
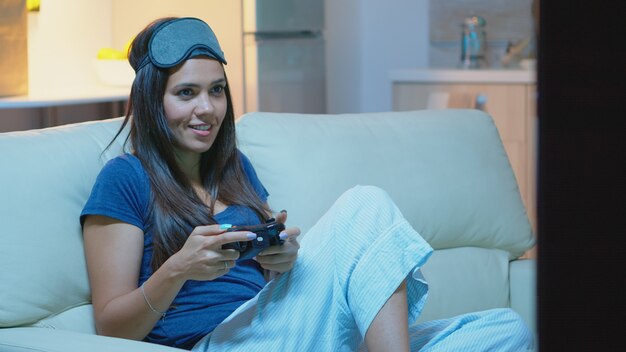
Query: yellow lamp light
x,y
32,5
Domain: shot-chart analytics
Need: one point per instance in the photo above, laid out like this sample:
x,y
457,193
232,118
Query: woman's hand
x,y
202,257
281,258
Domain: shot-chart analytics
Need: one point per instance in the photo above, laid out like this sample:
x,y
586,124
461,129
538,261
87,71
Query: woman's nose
x,y
205,105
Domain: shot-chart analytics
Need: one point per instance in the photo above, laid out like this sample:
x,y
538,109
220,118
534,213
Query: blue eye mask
x,y
178,40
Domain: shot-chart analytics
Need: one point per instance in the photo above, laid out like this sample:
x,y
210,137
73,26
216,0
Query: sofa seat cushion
x,y
465,279
447,170
50,340
78,319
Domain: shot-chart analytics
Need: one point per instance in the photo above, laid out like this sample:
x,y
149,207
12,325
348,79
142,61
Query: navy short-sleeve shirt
x,y
122,191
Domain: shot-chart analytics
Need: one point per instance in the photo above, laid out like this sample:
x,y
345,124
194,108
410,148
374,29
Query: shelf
x,y
63,96
462,76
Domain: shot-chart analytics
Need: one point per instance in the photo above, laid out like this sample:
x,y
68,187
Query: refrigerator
x,y
284,56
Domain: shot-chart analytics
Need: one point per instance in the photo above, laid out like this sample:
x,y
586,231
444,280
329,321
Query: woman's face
x,y
195,103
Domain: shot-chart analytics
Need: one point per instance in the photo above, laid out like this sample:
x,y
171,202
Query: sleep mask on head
x,y
180,39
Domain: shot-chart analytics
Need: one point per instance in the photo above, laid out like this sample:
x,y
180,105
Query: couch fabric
x,y
446,169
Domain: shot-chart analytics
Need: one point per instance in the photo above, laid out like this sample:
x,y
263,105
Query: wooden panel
x,y
19,120
40,117
13,35
531,150
506,103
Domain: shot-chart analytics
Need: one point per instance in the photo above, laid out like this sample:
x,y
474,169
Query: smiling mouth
x,y
201,127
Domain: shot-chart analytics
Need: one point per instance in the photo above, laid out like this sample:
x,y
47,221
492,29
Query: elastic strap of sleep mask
x,y
180,39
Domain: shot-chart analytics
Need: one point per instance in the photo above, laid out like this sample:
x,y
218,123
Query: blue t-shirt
x,y
122,191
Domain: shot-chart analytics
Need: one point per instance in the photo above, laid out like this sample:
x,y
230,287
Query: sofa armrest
x,y
523,293
50,340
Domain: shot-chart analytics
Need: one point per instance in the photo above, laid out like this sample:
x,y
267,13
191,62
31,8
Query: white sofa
x,y
446,169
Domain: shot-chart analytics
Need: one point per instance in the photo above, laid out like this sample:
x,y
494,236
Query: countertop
x,y
63,96
426,75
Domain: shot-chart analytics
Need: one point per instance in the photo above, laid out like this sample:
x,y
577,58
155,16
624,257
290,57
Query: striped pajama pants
x,y
348,265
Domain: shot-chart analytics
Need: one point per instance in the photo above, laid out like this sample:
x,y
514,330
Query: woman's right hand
x,y
202,257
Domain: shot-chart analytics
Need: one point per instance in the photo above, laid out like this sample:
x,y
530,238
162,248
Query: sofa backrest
x,y
46,176
447,170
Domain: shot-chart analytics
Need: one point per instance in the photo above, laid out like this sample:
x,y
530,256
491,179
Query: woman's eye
x,y
185,92
217,90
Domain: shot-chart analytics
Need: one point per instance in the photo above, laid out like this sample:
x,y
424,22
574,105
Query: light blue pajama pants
x,y
348,265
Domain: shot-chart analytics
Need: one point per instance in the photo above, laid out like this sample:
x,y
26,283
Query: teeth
x,y
201,127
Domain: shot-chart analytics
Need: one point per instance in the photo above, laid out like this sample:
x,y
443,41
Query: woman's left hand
x,y
281,258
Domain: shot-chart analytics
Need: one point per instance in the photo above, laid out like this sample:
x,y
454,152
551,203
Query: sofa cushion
x,y
78,319
524,290
49,340
446,169
465,279
46,177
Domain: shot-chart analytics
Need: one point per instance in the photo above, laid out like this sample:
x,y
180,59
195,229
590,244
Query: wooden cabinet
x,y
41,109
510,102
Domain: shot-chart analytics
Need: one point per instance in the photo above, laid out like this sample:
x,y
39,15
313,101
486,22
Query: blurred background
x,y
344,67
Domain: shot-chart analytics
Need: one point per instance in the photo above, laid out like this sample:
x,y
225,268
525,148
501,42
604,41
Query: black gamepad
x,y
268,234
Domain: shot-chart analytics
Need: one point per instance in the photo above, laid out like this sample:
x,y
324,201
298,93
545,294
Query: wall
x,y
365,40
63,40
343,62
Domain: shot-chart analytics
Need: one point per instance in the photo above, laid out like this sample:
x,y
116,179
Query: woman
x,y
157,220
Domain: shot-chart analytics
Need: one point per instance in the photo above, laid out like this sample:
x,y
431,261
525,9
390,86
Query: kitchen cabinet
x,y
53,107
507,95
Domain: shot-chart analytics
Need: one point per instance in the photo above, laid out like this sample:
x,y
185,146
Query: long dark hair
x,y
175,207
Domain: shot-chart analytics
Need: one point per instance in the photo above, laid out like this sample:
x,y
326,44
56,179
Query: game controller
x,y
268,234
